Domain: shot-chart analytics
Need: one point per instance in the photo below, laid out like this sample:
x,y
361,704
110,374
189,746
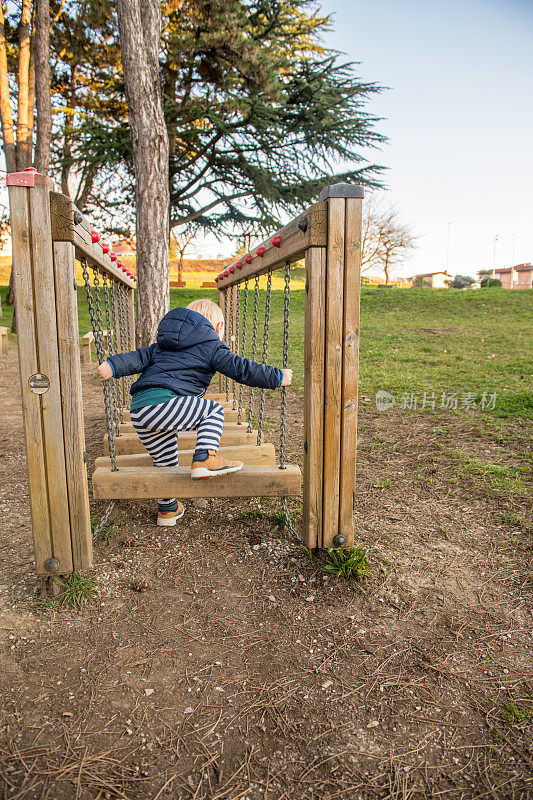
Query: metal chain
x,y
125,305
283,412
116,335
123,332
285,360
266,331
243,346
111,350
230,333
103,519
95,313
254,350
225,382
237,322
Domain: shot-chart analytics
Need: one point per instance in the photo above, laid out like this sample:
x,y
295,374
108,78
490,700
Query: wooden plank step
x,y
130,442
136,483
248,453
229,414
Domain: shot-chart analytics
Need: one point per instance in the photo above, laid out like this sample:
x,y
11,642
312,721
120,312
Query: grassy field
x,y
415,341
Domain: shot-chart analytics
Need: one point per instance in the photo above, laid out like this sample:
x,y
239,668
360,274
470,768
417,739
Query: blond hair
x,y
209,310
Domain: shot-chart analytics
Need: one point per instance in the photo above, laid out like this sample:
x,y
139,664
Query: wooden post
x,y
331,372
39,370
86,341
72,405
28,366
350,365
4,340
315,295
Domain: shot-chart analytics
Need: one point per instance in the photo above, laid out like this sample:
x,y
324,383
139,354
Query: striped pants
x,y
158,427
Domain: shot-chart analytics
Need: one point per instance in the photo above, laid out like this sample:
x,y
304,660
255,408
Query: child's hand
x,y
105,370
287,377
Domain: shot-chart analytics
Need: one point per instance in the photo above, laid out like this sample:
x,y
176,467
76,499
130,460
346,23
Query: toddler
x,y
168,395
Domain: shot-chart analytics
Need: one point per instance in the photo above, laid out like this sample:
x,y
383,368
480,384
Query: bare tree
x,y
180,243
139,23
385,240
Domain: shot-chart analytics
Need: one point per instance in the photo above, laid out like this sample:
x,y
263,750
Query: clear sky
x,y
459,117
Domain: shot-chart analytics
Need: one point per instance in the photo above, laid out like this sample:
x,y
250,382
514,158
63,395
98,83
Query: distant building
x,y
519,277
432,280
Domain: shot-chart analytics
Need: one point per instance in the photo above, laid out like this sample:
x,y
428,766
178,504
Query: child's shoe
x,y
167,519
213,466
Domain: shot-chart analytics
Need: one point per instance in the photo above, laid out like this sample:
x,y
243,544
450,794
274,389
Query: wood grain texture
x,y
315,308
153,482
333,370
248,454
294,243
27,352
130,442
72,406
48,358
350,366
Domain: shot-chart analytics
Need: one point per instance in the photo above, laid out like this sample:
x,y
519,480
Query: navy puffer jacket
x,y
187,355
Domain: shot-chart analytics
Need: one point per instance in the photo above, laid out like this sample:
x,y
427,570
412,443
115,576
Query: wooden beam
x,y
294,241
350,366
64,229
247,453
315,310
333,370
130,442
72,407
139,483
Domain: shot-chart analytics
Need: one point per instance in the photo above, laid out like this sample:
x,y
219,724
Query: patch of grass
x,y
499,478
254,513
280,521
386,484
106,533
78,590
484,346
350,563
514,714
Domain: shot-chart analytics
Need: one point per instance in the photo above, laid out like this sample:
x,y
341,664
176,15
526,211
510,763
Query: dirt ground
x,y
219,663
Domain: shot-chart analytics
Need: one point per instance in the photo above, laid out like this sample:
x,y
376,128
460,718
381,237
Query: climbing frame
x,y
49,233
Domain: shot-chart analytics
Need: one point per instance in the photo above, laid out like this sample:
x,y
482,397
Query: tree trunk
x,y
5,105
41,37
24,144
139,23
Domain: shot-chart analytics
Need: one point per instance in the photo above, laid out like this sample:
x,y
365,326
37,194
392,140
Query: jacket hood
x,y
182,328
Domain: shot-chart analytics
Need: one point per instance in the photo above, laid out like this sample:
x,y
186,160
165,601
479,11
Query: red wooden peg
x,y
226,273
231,270
113,256
276,241
248,259
105,248
260,252
95,236
238,265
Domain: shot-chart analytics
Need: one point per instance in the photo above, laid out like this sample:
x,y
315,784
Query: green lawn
x,y
481,341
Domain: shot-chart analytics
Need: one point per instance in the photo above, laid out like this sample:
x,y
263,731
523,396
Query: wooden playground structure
x,y
49,234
